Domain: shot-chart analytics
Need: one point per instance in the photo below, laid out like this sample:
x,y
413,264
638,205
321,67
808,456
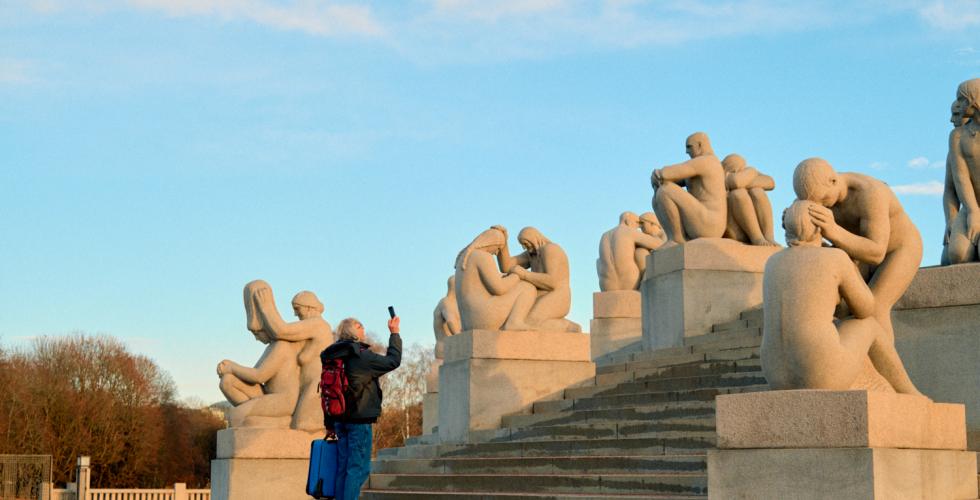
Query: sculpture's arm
x,y
493,281
951,202
764,182
278,329
555,262
740,180
644,240
453,321
860,300
266,368
679,171
875,225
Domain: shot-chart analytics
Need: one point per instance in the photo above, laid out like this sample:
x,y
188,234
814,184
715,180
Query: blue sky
x,y
156,155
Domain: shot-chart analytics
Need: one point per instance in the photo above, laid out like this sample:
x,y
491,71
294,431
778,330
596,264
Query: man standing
x,y
700,211
363,368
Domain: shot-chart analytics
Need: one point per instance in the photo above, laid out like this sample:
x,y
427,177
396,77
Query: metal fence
x,y
25,477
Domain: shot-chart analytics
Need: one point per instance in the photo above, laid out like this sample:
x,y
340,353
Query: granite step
x,y
558,448
545,465
738,352
639,399
619,430
668,383
670,483
370,494
653,412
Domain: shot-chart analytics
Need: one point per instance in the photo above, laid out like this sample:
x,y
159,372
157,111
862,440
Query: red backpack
x,y
333,386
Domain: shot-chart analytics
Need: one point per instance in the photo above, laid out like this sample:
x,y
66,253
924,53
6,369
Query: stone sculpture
x,y
960,199
283,384
544,265
802,346
749,210
862,216
623,250
487,299
700,211
445,318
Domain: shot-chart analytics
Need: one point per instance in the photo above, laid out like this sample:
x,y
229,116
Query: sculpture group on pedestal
x,y
529,291
623,251
281,389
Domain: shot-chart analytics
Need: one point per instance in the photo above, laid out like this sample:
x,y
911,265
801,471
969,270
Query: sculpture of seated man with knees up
x,y
488,300
445,318
803,347
749,210
963,163
700,211
862,216
650,226
271,388
622,254
544,265
314,334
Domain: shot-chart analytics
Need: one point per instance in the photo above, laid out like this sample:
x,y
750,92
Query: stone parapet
x,y
688,288
488,374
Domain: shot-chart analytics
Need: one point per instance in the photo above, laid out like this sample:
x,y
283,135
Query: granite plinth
x,y
616,304
248,442
688,288
488,374
261,463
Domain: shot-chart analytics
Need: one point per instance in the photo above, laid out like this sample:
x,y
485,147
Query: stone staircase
x,y
640,428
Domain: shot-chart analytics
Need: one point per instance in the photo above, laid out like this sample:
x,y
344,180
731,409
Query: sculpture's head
x,y
969,93
815,180
956,113
351,329
261,336
649,224
491,241
531,239
799,226
733,163
697,144
306,305
629,219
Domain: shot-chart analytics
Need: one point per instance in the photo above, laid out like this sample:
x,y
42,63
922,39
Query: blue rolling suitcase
x,y
323,468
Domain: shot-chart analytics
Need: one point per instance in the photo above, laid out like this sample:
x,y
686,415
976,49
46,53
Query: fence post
x,y
83,478
180,491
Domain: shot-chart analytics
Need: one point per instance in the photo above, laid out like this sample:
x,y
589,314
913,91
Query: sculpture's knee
x,y
739,195
228,381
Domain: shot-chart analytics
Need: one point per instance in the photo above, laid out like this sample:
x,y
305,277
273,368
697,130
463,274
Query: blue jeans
x,y
353,458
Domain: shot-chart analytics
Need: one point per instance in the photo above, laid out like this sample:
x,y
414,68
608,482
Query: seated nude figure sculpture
x,y
621,262
963,164
445,318
803,347
314,334
544,265
749,210
487,299
270,389
700,211
862,216
951,199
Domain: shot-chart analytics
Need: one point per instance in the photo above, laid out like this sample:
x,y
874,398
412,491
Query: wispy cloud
x,y
923,162
16,72
879,165
952,15
930,188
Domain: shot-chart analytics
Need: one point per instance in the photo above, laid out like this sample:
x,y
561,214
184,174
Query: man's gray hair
x,y
345,330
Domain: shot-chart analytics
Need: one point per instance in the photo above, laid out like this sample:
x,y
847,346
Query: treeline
x,y
88,395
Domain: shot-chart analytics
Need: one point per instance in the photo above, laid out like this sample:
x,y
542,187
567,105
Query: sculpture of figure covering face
x,y
623,251
749,210
862,216
281,389
487,299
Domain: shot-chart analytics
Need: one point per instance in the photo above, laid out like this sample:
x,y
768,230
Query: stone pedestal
x,y
261,463
937,334
488,374
688,288
430,400
616,327
840,444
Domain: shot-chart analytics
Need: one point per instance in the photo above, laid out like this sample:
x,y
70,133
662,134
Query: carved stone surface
x,y
534,294
623,251
960,197
445,318
281,389
862,216
749,210
701,210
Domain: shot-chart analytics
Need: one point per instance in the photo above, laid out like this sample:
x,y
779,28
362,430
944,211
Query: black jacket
x,y
363,368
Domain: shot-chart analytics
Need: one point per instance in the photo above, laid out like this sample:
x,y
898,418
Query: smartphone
x,y
391,311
